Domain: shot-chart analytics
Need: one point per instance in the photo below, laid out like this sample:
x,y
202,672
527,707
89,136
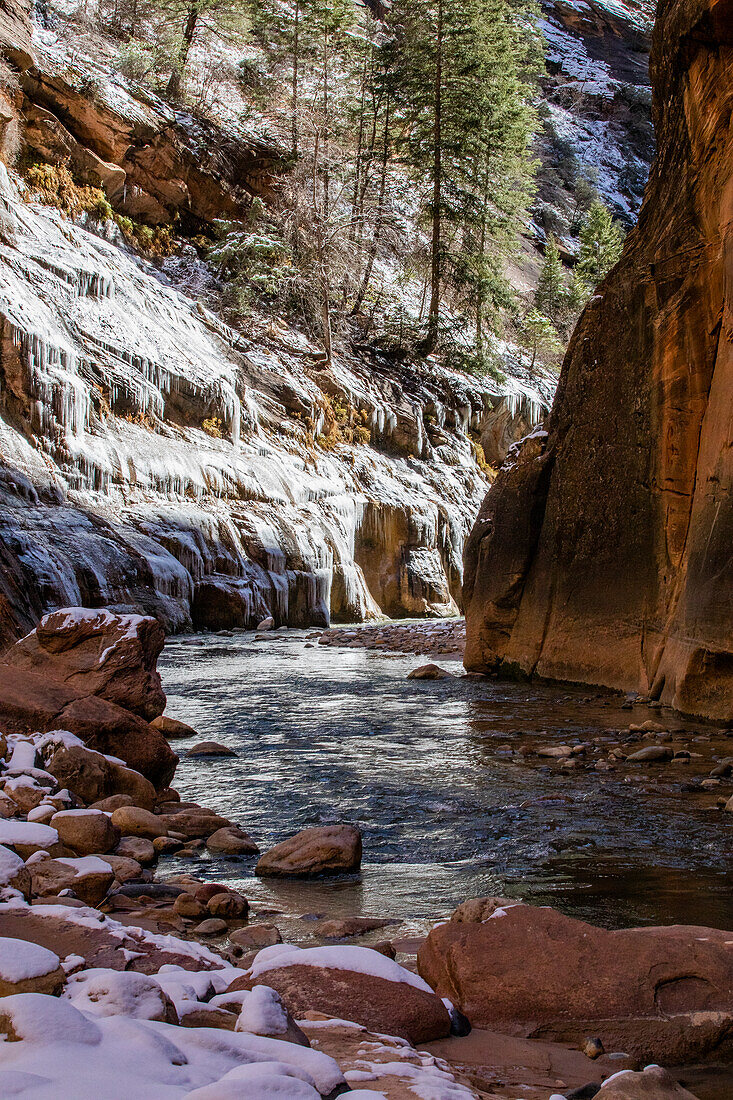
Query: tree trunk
x,y
176,78
366,278
435,258
296,60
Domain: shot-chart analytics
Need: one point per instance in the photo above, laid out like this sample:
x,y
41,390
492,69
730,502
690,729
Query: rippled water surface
x,y
426,769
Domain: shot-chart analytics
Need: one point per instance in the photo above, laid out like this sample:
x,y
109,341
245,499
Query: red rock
x,y
95,652
661,993
603,554
327,849
394,1008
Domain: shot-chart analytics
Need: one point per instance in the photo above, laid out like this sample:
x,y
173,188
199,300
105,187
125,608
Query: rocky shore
x,y
444,637
113,967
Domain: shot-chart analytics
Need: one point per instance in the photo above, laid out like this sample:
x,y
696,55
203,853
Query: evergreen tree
x,y
601,242
551,296
465,121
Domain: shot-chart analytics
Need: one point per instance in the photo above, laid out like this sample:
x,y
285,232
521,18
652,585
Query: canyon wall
x,y
603,553
153,459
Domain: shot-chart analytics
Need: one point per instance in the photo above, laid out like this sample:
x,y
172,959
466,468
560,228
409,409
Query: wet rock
x,y
209,748
228,905
350,926
255,936
134,821
167,845
172,728
652,754
386,948
658,993
193,823
476,910
187,906
429,672
86,831
211,927
327,849
231,841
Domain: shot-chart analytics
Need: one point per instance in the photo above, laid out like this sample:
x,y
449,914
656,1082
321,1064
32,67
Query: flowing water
x,y
429,773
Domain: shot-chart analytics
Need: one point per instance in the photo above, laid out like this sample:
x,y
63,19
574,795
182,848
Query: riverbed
x,y
429,771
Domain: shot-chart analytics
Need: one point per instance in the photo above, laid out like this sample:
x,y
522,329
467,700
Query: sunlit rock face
x,y
113,493
603,554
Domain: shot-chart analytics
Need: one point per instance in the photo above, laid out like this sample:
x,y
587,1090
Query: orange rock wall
x,y
605,555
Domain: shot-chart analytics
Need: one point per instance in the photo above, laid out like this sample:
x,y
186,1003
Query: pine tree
x,y
464,118
601,242
551,296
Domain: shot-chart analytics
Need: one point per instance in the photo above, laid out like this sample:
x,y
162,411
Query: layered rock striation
x,y
603,552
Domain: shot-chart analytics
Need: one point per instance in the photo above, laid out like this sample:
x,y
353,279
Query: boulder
x,y
186,905
172,728
193,823
13,872
124,868
134,821
137,848
231,841
209,748
28,968
396,1005
653,1083
429,672
89,877
263,1013
86,831
109,729
652,754
28,837
95,652
102,992
660,993
351,926
255,936
229,905
112,803
213,926
324,849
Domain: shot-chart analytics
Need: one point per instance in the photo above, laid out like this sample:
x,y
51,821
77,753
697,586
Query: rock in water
x,y
429,672
327,849
659,993
211,749
172,728
603,554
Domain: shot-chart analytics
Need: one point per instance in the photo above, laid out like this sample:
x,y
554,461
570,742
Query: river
x,y
428,771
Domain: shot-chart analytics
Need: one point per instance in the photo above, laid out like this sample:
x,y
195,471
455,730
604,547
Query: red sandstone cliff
x,y
605,555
